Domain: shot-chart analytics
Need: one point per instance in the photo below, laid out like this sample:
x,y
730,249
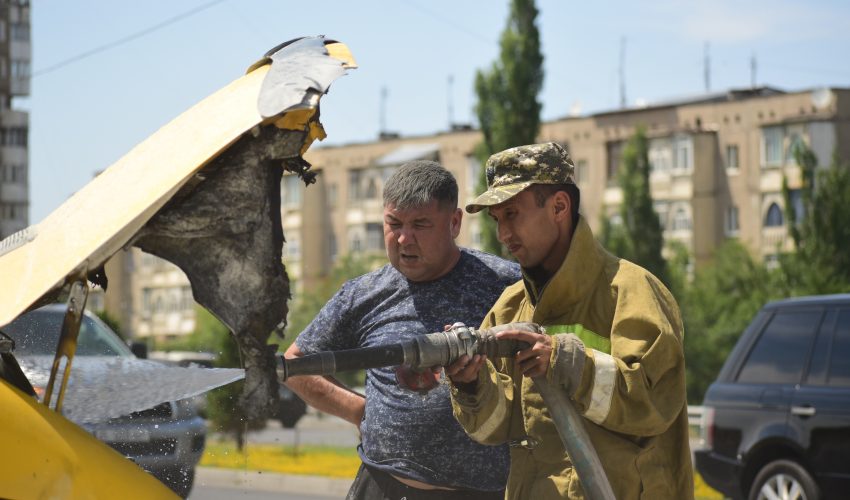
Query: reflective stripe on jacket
x,y
632,389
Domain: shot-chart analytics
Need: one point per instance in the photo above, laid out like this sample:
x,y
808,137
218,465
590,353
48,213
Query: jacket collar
x,y
573,280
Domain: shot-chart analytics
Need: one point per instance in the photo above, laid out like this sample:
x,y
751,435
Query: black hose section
x,y
577,443
331,362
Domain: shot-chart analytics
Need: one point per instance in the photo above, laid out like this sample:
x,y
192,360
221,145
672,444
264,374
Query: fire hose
x,y
442,349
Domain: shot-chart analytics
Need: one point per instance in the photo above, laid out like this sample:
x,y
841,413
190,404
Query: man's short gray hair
x,y
418,183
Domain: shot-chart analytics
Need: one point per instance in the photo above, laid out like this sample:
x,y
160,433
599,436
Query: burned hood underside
x,y
224,231
203,192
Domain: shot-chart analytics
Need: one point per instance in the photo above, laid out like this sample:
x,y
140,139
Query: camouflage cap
x,y
512,170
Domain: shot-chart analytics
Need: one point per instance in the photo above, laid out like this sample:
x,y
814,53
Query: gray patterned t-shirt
x,y
405,433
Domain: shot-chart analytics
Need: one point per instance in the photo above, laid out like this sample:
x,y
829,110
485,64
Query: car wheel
x,y
179,480
786,480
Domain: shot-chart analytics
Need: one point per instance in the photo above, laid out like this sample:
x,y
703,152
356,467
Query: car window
x,y
820,353
37,333
780,352
839,358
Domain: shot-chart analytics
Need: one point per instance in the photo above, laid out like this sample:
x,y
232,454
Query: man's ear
x,y
457,218
562,206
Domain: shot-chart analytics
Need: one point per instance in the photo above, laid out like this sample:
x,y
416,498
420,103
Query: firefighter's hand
x,y
532,361
465,369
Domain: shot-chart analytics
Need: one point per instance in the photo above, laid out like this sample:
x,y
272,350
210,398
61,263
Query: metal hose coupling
x,y
420,353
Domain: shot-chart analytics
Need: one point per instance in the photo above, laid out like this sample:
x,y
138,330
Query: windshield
x,y
37,333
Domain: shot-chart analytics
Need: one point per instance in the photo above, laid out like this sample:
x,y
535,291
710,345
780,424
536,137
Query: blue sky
x,y
87,114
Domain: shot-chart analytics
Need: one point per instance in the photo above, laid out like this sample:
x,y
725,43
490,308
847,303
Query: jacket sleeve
x,y
485,415
639,387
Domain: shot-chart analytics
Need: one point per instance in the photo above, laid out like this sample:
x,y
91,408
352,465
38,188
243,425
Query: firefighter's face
x,y
421,241
534,235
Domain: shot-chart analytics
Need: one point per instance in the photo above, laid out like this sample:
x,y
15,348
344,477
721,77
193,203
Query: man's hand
x,y
465,369
534,360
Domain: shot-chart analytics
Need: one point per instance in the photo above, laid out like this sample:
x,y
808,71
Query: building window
x,y
731,221
683,157
795,141
291,197
371,188
20,68
772,146
364,184
660,155
681,220
20,31
332,194
355,239
732,157
773,218
292,249
374,237
147,300
354,191
187,300
615,157
13,136
581,172
332,250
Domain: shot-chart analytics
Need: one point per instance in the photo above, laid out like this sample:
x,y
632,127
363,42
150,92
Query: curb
x,y
271,481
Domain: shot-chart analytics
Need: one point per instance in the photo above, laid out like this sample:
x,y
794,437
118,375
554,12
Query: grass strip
x,y
325,461
304,460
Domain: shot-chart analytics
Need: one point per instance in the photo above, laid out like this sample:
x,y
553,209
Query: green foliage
x,y
223,408
726,294
508,109
716,307
821,234
112,322
639,238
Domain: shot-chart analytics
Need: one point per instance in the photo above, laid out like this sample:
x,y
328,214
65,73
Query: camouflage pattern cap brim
x,y
510,171
496,195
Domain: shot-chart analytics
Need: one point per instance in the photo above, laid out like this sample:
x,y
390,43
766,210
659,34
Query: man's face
x,y
420,241
529,232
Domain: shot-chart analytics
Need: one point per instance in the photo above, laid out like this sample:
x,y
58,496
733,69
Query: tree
x,y
639,238
819,227
112,322
717,306
508,109
224,410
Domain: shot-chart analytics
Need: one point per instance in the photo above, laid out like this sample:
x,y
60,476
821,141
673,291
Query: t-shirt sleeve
x,y
334,328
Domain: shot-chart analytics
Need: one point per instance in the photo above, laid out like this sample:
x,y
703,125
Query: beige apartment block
x,y
150,297
717,165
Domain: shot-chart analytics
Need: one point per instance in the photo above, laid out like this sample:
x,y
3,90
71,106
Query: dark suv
x,y
777,419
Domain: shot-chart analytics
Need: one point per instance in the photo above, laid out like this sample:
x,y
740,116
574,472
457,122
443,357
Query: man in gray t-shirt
x,y
411,446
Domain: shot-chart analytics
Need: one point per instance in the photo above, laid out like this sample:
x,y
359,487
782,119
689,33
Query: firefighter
x,y
613,342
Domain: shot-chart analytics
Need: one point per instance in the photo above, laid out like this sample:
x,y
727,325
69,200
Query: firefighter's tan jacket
x,y
631,390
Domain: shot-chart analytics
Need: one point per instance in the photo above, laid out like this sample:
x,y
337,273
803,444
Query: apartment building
x,y
15,56
717,165
150,297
